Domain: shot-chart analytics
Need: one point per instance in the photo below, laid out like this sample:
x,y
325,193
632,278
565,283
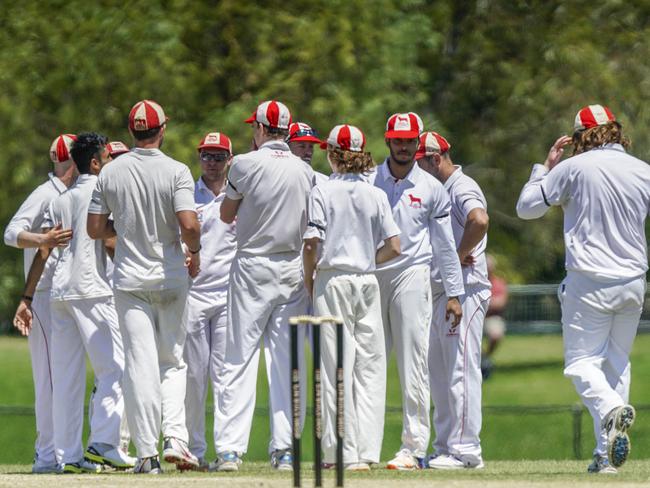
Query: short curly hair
x,y
350,161
87,146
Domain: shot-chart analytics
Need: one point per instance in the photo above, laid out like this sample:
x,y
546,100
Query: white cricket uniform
x,y
420,207
265,289
605,195
83,321
29,217
205,314
455,355
320,178
352,219
144,189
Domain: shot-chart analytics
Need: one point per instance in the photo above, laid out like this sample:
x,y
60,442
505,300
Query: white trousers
x,y
599,323
406,314
354,298
80,327
455,376
154,373
263,292
205,346
40,349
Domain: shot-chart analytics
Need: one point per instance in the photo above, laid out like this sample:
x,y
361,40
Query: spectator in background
x,y
495,325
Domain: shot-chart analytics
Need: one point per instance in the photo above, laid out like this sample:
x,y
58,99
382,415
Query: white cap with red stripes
x,y
404,126
145,115
60,148
593,116
216,140
271,114
345,137
430,143
115,148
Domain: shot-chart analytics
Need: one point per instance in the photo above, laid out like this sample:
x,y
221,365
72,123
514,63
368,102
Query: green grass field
x,y
528,374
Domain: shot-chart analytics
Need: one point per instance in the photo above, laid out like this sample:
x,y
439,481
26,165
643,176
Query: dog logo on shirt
x,y
415,201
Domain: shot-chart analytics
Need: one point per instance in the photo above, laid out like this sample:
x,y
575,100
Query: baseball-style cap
x,y
345,137
404,126
145,115
432,142
60,148
593,116
271,114
301,132
115,148
216,140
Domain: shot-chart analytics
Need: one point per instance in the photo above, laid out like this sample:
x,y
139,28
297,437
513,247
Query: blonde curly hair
x,y
609,133
350,161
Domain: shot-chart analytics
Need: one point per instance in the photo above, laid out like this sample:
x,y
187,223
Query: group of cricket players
x,y
171,286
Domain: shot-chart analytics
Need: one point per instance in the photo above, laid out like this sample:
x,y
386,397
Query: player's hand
x,y
57,237
193,263
454,308
23,317
468,260
556,151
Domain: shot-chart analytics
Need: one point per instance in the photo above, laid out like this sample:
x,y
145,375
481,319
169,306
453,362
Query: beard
x,y
402,158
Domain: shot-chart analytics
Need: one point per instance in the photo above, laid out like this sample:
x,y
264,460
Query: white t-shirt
x,y
273,186
29,217
218,247
421,209
352,218
80,269
605,195
144,189
465,195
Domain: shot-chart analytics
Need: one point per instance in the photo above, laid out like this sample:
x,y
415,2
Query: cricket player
x,y
24,231
455,352
151,197
205,312
605,195
267,191
83,321
301,140
350,219
421,209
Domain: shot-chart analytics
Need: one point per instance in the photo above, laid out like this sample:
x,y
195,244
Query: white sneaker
x,y
148,465
112,456
81,466
176,452
601,465
451,462
616,423
357,467
404,460
226,461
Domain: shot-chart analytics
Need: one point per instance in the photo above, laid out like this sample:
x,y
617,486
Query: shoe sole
x,y
94,458
75,470
394,467
226,467
45,470
180,461
618,449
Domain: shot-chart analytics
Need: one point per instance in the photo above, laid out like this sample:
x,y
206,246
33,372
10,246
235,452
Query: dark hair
x,y
609,133
275,132
85,148
141,135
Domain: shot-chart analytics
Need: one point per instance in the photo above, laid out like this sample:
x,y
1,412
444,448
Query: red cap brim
x,y
251,119
401,134
313,139
117,153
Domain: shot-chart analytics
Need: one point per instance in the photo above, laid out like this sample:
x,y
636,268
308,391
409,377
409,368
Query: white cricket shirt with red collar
x,y
465,195
421,209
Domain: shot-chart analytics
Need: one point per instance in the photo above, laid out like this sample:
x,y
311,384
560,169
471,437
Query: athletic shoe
x,y
204,466
282,460
446,461
79,467
39,468
226,461
148,465
404,460
175,451
357,467
616,423
109,455
601,465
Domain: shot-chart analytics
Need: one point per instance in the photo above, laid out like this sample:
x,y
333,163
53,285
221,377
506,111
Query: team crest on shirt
x,y
414,202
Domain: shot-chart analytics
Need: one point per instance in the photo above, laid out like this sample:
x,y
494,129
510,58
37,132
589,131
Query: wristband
x,y
194,252
27,297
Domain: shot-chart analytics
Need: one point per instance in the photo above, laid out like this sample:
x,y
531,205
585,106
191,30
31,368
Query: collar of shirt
x,y
84,178
276,145
383,172
147,152
453,177
202,187
614,147
348,177
58,184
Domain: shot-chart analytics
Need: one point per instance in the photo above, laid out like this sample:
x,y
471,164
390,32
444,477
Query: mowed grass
x,y
528,374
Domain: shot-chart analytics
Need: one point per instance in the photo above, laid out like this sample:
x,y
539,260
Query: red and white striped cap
x,y
115,148
345,137
271,114
593,116
430,143
404,126
145,115
301,132
216,140
60,148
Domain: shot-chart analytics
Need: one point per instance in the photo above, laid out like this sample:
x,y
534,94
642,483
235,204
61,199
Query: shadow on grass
x,y
522,366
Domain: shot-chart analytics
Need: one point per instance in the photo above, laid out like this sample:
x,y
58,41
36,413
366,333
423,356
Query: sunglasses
x,y
217,158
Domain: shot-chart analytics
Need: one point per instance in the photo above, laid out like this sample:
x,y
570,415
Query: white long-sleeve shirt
x,y
29,217
605,195
421,209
